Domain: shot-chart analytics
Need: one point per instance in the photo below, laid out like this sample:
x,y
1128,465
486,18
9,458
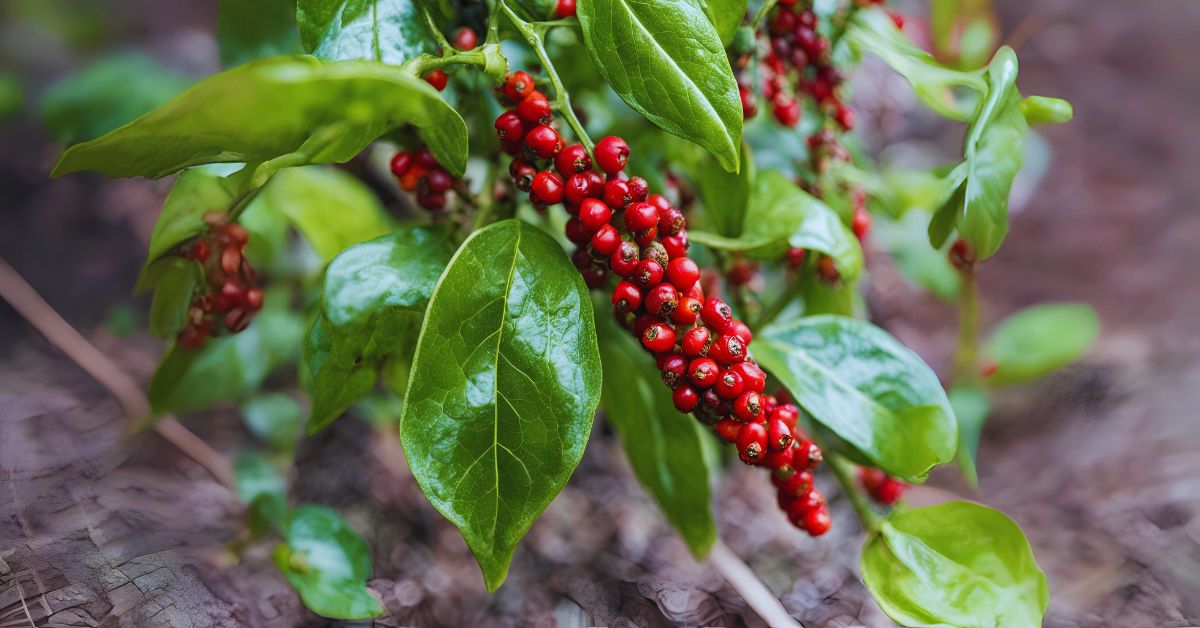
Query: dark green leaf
x,y
1045,110
971,408
310,111
261,489
391,31
725,195
1040,340
665,448
504,387
666,60
375,294
866,387
274,418
727,16
197,191
781,215
328,564
107,94
248,30
176,279
955,564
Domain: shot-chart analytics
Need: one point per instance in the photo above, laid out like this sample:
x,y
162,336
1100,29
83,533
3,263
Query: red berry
x,y
401,162
703,372
716,314
696,342
861,222
728,350
787,413
437,79
565,8
683,273
786,111
518,85
646,237
230,295
231,260
626,297
827,270
670,221
253,299
625,260
648,273
727,430
676,245
729,385
548,187
535,109
777,458
748,407
844,116
618,194
641,216
987,369
779,435
543,141
962,255
685,398
584,185
888,492
656,252
612,153
795,257
741,330
800,483
594,277
465,38
594,214
658,337
640,188
807,455
199,251
818,522
897,19
606,240
576,232
573,160
674,369
662,299
522,173
742,272
752,443
753,377
686,312
437,181
749,108
643,322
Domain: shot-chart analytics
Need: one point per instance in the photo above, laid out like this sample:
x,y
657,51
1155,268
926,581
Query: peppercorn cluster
x,y
638,240
882,487
231,297
419,171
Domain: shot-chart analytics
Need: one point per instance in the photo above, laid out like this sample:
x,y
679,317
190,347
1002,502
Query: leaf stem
x,y
534,36
434,30
762,13
843,470
966,355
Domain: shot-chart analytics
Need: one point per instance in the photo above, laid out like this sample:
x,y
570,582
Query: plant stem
x,y
966,355
762,12
534,36
758,597
434,30
843,470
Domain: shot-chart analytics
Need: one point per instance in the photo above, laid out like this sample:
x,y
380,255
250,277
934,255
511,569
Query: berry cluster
x,y
420,172
700,348
232,296
799,63
882,487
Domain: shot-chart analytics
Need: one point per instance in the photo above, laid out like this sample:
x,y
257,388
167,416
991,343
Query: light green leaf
x,y
176,279
249,30
310,111
197,191
328,564
665,448
1045,110
261,489
955,564
1040,340
504,387
374,296
727,16
391,31
666,61
274,418
971,408
874,393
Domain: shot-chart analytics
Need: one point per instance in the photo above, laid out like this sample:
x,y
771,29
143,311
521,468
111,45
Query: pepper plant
x,y
592,208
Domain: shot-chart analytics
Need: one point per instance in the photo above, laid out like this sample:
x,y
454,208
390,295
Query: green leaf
x,y
261,489
197,191
176,279
328,564
726,16
12,95
227,367
955,564
781,215
964,30
374,296
107,94
971,408
861,383
252,30
504,387
725,195
331,208
310,111
391,31
993,152
905,239
666,61
1045,110
274,418
665,448
1040,340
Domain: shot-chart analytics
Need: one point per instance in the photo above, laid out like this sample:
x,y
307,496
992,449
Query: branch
x,y
746,583
843,470
30,305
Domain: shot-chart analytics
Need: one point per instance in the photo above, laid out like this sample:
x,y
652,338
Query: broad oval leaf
x,y
666,449
391,31
781,215
328,564
665,59
726,15
955,564
253,30
375,294
299,106
176,278
504,387
1040,340
860,382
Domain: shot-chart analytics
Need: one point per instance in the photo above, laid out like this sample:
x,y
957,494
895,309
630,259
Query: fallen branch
x,y
746,583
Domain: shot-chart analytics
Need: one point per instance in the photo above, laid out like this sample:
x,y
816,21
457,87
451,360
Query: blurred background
x,y
1097,464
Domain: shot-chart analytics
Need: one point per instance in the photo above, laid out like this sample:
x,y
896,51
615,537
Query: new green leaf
x,y
1040,340
726,15
971,407
391,31
298,107
955,564
328,564
665,59
504,386
666,449
861,383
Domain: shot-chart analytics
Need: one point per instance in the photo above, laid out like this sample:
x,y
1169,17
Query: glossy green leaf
x,y
725,195
274,418
391,31
504,387
374,296
328,564
107,94
176,279
301,107
1040,340
971,407
993,152
781,215
666,61
261,489
727,16
665,448
861,383
249,30
1045,110
955,564
908,244
197,191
